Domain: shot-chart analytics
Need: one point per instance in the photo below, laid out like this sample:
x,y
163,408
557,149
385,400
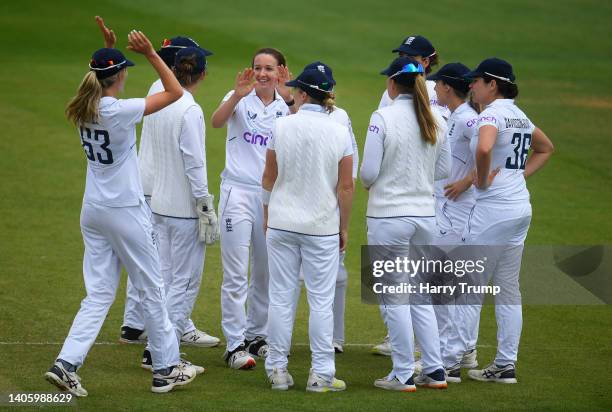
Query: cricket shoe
x,y
65,380
434,380
494,373
281,379
383,348
453,374
395,384
147,363
199,338
257,347
318,384
469,361
239,358
338,347
179,375
131,335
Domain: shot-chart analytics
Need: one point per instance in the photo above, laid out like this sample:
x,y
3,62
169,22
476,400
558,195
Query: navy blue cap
x,y
453,75
416,45
198,53
314,82
106,62
323,68
493,67
170,47
403,65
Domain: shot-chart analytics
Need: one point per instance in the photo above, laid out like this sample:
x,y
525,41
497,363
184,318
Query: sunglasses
x,y
409,68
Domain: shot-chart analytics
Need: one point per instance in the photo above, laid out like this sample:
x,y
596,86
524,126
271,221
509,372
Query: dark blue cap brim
x,y
473,74
292,83
129,63
434,77
207,52
408,50
387,71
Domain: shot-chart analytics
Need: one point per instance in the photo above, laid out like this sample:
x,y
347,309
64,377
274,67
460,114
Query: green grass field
x,y
562,56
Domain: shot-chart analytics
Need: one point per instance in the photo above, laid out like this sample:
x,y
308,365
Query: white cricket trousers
x,y
114,236
504,224
318,257
339,299
243,244
451,218
403,320
133,315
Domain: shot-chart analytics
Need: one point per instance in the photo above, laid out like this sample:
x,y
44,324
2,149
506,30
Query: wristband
x,y
265,196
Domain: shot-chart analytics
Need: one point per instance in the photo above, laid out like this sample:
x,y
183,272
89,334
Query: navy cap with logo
x,y
493,67
188,52
453,75
107,62
314,82
322,67
416,45
403,65
170,47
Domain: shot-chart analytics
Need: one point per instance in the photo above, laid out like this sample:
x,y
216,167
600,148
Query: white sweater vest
x,y
308,145
405,183
171,194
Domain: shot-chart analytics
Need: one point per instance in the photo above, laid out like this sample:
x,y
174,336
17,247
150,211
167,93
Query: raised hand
x,y
109,36
245,81
284,75
139,43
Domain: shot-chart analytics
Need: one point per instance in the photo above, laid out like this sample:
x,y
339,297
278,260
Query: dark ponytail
x,y
185,70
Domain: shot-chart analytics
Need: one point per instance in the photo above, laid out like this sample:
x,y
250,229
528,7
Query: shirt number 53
x,y
101,152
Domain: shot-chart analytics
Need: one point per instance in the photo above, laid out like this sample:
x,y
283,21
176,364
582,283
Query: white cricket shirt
x,y
249,131
110,147
461,128
509,153
308,145
145,153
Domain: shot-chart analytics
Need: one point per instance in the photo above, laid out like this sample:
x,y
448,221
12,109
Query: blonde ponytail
x,y
422,108
329,102
83,108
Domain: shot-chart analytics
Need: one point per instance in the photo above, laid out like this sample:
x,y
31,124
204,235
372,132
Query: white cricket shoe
x,y
239,358
469,361
338,347
281,379
494,373
434,380
383,348
178,375
453,374
395,384
147,363
257,347
199,338
65,380
318,384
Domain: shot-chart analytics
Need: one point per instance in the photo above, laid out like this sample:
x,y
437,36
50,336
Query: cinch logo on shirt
x,y
255,138
471,122
487,119
374,129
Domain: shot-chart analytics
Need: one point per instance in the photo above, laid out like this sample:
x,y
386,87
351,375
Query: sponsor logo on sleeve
x,y
373,128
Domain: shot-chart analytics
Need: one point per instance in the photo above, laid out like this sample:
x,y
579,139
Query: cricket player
x,y
339,115
454,201
502,212
250,111
405,152
115,220
132,330
307,195
182,207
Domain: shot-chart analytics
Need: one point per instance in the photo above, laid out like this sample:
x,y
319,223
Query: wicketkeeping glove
x,y
209,225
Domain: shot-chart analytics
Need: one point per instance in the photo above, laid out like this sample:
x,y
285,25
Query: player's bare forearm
x,y
483,165
542,150
346,188
224,111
